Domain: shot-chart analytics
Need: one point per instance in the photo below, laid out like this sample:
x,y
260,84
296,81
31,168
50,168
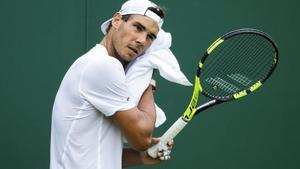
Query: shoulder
x,y
99,55
103,83
100,63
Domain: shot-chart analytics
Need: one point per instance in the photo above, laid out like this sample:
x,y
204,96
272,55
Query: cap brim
x,y
104,26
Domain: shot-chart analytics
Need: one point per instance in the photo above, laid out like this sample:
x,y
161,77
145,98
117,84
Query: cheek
x,y
122,38
148,44
128,36
119,40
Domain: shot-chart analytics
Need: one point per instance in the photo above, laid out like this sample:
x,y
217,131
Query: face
x,y
132,37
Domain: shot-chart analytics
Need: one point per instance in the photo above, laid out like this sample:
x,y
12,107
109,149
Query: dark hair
x,y
157,10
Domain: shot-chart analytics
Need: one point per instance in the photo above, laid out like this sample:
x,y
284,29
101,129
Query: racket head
x,y
237,64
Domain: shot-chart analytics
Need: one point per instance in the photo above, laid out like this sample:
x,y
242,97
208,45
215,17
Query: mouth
x,y
133,49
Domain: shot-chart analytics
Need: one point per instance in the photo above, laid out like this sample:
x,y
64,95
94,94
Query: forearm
x,y
137,124
144,123
131,157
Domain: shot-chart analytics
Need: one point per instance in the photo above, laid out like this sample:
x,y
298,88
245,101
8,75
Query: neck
x,y
107,43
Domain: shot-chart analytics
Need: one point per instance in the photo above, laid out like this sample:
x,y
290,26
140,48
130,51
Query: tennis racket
x,y
235,65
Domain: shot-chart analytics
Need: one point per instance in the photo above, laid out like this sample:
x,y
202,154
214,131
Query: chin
x,y
129,58
124,58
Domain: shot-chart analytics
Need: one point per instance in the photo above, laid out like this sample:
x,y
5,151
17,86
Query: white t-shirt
x,y
82,134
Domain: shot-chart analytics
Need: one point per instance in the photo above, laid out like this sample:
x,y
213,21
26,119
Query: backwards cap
x,y
136,7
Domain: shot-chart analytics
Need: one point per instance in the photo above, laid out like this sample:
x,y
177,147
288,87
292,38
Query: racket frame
x,y
192,110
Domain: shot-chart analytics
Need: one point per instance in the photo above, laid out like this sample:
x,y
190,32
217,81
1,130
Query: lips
x,y
133,49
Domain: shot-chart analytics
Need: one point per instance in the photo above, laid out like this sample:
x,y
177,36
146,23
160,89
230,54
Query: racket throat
x,y
206,106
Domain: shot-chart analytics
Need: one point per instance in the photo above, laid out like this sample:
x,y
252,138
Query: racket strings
x,y
247,57
264,59
214,64
267,63
237,64
219,66
217,63
251,60
247,54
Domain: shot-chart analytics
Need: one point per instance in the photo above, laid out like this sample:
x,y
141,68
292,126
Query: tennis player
x,y
93,109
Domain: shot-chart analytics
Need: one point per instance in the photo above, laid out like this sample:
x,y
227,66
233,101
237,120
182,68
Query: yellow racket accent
x,y
240,94
255,86
200,65
191,109
214,45
199,87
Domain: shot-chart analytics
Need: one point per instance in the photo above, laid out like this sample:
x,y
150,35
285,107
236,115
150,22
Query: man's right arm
x,y
103,84
137,124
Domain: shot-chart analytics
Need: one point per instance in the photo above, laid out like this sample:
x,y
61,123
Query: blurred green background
x,y
39,40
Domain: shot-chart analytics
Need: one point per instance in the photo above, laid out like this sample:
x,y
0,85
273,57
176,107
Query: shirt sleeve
x,y
103,84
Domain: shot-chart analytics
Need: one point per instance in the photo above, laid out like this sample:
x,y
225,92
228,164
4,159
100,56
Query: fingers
x,y
170,144
165,158
164,153
167,152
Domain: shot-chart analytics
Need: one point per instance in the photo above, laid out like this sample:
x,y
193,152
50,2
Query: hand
x,y
163,153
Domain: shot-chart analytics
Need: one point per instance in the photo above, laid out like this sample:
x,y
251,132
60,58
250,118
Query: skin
x,y
132,157
126,40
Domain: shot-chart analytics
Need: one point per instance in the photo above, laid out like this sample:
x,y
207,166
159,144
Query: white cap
x,y
136,7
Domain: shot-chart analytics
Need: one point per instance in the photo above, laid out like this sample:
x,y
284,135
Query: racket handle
x,y
167,136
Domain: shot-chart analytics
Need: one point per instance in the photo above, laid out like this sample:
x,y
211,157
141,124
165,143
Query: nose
x,y
142,38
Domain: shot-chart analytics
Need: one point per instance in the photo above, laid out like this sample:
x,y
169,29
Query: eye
x,y
151,37
138,28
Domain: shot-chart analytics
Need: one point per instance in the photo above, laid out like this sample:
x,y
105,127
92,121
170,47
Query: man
x,y
93,109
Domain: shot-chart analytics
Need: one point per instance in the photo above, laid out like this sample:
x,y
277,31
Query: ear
x,y
116,20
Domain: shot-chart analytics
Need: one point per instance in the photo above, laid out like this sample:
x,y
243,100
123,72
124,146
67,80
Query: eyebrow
x,y
144,28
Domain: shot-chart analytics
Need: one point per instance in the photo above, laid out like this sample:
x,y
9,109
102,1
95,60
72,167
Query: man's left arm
x,y
133,157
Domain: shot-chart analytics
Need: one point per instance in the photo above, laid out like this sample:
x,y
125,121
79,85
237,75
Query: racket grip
x,y
167,136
